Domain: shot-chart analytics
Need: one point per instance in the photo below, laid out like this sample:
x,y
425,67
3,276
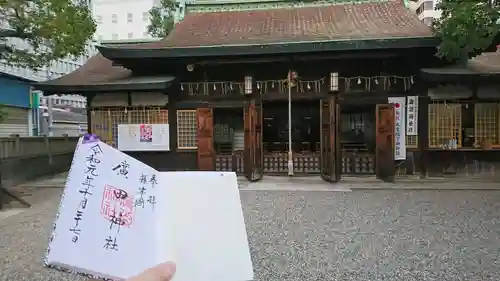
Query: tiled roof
x,y
346,21
343,21
486,63
96,70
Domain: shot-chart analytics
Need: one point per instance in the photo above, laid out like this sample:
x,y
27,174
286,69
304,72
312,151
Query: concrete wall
x,y
26,158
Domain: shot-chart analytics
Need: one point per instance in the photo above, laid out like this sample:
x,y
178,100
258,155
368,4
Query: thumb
x,y
161,272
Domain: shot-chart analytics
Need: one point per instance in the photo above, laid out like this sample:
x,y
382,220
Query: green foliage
x,y
466,27
3,115
54,29
161,19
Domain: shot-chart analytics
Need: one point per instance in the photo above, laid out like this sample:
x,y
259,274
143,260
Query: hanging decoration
x,y
207,88
350,84
376,83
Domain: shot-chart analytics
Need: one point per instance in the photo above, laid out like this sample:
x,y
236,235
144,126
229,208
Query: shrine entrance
x,y
305,122
357,135
229,140
328,139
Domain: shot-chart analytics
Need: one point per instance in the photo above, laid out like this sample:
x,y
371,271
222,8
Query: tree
x,y
161,18
466,27
53,29
3,115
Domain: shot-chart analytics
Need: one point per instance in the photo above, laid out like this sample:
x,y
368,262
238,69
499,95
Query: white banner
x,y
399,131
143,137
412,116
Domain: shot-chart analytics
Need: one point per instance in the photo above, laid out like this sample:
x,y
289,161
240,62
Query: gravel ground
x,y
308,235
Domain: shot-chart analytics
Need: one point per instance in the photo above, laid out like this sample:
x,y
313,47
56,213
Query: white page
x,y
209,235
161,136
88,251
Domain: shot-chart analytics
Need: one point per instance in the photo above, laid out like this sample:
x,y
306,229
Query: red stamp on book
x,y
117,205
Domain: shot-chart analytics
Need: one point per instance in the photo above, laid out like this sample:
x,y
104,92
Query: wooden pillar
x,y
129,99
468,156
330,143
253,153
385,126
423,133
90,97
205,152
248,132
172,127
338,148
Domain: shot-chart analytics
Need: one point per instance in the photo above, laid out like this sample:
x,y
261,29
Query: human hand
x,y
161,272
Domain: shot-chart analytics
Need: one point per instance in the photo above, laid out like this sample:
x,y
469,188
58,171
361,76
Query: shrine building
x,y
278,88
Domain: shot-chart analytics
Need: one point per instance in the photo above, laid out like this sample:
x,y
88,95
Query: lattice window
x,y
445,125
486,123
411,141
186,129
105,121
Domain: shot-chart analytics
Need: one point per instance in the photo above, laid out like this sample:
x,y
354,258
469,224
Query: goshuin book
x,y
119,217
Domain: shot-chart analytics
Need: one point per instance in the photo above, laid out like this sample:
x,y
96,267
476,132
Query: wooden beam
x,y
369,55
315,57
243,61
187,104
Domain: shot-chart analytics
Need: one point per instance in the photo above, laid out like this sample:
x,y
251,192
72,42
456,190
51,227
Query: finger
x,y
161,272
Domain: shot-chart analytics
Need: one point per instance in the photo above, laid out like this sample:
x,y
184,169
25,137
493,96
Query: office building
x,y
426,10
119,20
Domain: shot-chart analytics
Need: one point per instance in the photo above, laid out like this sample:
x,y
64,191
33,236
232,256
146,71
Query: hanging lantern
x,y
334,81
248,85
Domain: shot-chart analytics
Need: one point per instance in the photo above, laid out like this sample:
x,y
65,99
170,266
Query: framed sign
x,y
143,137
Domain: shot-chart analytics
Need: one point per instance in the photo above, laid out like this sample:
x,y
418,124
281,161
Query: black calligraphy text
x,y
86,188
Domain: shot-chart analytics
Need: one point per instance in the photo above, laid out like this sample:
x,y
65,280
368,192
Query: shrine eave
x,y
458,75
114,53
128,84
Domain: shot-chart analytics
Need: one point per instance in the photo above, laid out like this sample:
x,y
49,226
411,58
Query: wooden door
x,y
330,150
205,126
253,164
385,164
